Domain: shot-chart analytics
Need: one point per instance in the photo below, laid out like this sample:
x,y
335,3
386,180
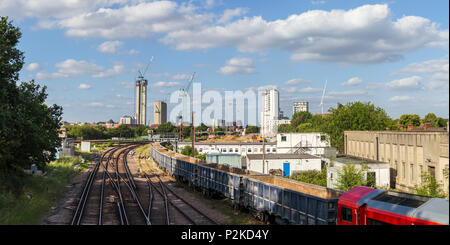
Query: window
x,y
260,150
376,222
346,214
431,171
412,173
249,149
283,138
371,179
274,150
268,149
200,149
236,150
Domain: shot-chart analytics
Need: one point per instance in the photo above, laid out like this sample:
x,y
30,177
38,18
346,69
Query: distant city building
x,y
159,112
110,124
141,101
128,120
300,106
217,123
409,153
270,112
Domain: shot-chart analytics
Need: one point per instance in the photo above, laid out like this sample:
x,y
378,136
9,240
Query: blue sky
x,y
391,53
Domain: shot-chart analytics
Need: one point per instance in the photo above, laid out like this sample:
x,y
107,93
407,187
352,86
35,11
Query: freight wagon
x,y
290,202
270,198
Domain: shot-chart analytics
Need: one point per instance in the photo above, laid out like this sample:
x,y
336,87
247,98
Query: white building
x,y
311,143
300,106
217,123
378,171
270,112
241,148
127,120
285,163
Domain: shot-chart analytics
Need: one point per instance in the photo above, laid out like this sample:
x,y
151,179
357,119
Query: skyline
x,y
394,54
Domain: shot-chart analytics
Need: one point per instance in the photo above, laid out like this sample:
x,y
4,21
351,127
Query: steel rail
x,y
100,216
118,190
189,204
86,190
171,203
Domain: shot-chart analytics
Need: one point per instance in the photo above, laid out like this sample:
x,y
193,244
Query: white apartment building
x,y
300,106
127,120
270,112
310,143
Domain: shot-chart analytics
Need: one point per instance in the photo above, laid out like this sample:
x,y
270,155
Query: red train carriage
x,y
368,206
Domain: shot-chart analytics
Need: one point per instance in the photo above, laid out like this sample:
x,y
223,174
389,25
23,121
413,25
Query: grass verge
x,y
40,193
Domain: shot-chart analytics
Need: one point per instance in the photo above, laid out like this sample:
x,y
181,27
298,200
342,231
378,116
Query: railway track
x,y
113,195
177,209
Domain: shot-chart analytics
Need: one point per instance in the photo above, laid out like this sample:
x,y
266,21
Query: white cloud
x,y
74,68
352,82
400,98
166,84
237,66
33,67
181,76
115,70
366,34
348,92
109,46
48,9
297,81
318,2
141,20
84,86
229,14
310,90
404,83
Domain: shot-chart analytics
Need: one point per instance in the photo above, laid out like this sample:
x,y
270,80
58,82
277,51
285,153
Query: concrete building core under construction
x,y
159,112
141,101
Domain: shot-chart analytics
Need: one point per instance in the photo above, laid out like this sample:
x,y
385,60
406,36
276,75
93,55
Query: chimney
x,y
426,126
410,127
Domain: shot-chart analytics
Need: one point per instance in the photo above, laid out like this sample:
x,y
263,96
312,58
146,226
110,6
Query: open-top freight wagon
x,y
270,198
286,201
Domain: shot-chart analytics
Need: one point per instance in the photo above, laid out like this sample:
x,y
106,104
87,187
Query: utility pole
x,y
193,136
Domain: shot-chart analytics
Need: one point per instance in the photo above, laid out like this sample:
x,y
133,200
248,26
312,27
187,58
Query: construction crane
x,y
141,75
323,95
183,93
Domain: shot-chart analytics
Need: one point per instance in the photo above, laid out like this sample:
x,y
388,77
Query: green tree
x,y
284,128
353,116
28,127
187,151
350,176
186,132
300,118
409,119
167,127
429,186
201,127
140,131
314,177
252,129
